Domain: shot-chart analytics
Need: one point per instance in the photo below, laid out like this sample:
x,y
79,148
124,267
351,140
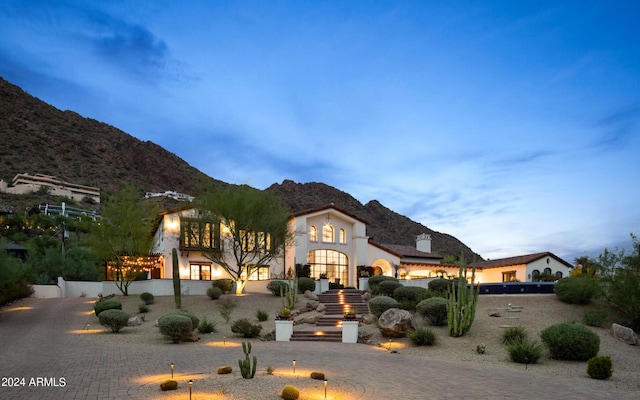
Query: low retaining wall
x,y
517,288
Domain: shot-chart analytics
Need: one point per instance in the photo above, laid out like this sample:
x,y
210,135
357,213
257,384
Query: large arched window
x,y
333,264
327,234
313,234
343,236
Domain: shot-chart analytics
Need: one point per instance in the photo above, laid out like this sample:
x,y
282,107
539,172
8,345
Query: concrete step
x,y
317,336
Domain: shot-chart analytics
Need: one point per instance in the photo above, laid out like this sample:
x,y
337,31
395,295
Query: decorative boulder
x,y
624,334
366,296
368,319
310,295
134,321
321,308
395,323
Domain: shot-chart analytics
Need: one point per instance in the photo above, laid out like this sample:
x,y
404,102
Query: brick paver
x,y
37,343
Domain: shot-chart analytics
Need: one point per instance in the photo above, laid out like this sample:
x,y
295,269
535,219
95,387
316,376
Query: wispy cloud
x,y
617,127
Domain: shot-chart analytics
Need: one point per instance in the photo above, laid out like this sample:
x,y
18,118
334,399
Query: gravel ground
x,y
537,313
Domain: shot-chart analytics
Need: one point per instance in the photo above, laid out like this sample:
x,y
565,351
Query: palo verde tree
x,y
241,229
123,236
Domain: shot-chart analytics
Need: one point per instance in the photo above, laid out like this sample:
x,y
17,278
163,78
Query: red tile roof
x,y
520,260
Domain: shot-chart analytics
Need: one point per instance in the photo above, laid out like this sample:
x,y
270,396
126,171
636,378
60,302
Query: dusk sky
x,y
511,125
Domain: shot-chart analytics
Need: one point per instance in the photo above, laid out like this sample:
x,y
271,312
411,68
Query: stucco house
x,y
333,242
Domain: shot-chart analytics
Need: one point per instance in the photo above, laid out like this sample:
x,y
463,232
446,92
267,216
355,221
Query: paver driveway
x,y
37,340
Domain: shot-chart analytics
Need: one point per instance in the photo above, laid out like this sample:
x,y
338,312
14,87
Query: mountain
x,y
36,137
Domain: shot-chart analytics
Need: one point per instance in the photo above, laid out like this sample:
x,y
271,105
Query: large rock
x,y
395,323
310,295
134,321
624,334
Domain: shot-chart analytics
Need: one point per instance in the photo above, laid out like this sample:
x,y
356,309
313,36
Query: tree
x,y
250,229
123,236
586,266
621,279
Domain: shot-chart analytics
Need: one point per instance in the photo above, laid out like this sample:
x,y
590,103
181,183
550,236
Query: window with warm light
x,y
259,274
195,234
330,262
327,234
313,234
343,236
200,271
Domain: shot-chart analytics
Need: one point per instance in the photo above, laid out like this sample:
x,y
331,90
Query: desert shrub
x,y
376,280
290,392
147,298
214,293
305,284
525,351
195,321
439,287
245,328
169,384
380,304
143,308
225,369
595,317
319,376
410,296
623,290
113,319
576,289
262,315
175,326
570,341
227,306
422,337
277,287
206,326
106,305
515,334
386,288
225,284
600,367
434,310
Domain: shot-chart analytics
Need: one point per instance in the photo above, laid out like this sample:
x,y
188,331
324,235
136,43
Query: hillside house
x,y
25,183
334,244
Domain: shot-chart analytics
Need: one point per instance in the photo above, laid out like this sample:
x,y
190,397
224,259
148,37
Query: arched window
x,y
327,234
313,234
559,275
343,236
330,262
535,275
547,271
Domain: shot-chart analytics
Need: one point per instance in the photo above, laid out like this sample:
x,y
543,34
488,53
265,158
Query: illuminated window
x,y
343,236
259,274
313,234
200,272
255,241
509,276
330,262
195,234
327,234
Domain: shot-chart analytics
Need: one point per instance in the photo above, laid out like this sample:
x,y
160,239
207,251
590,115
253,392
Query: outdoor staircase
x,y
329,326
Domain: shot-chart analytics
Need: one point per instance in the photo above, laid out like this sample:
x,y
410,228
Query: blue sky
x,y
512,125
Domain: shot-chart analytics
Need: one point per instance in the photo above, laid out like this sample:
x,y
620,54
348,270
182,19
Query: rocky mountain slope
x,y
35,137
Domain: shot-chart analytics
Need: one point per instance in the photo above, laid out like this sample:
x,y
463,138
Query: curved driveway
x,y
37,340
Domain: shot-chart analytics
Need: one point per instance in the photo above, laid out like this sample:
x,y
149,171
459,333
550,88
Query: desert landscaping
x,y
536,313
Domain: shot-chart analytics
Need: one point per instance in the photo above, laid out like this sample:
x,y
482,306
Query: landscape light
x,y
172,370
325,388
294,366
190,388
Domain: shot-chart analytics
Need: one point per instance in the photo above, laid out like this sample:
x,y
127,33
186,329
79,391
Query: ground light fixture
x,y
172,366
294,366
325,388
190,388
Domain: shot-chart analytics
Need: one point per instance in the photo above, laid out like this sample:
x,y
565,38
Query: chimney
x,y
423,242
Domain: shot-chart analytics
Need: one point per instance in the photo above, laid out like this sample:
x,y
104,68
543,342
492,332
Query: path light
x,y
224,340
325,388
86,328
389,344
190,388
172,370
294,366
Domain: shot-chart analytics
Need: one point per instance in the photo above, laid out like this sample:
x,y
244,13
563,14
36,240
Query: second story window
x,y
313,234
343,236
195,234
327,234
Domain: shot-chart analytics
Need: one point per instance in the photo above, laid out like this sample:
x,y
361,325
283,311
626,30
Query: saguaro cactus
x,y
246,370
176,279
461,303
